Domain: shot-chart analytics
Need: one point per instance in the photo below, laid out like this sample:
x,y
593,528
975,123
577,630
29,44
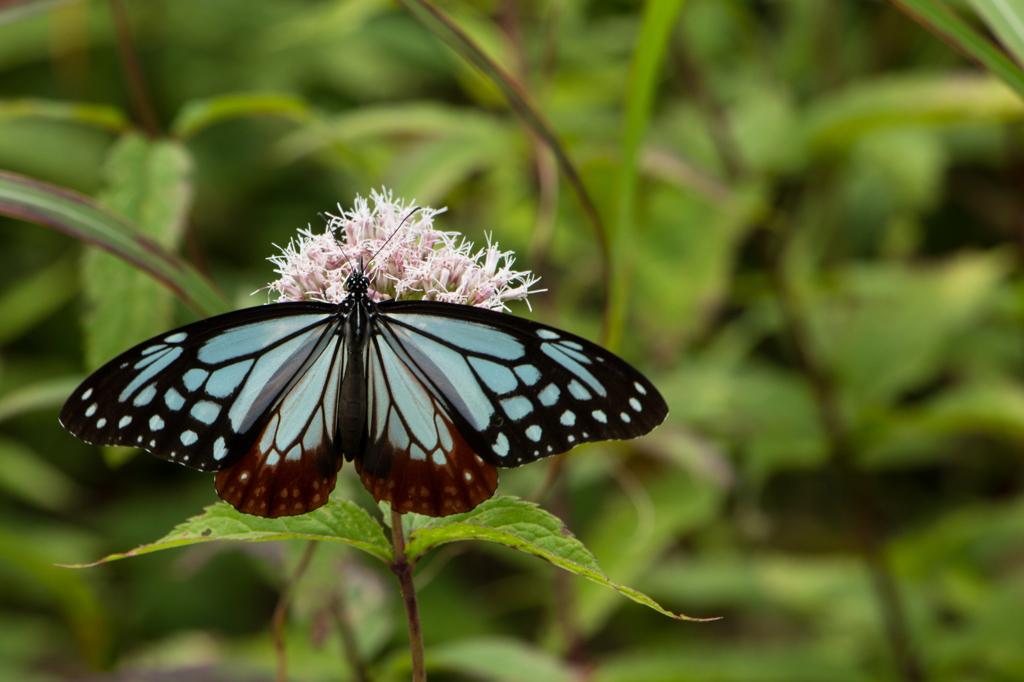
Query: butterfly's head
x,y
357,283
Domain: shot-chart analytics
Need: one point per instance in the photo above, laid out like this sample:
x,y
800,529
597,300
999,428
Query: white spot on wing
x,y
188,438
101,422
205,411
579,391
640,388
150,351
534,433
273,459
173,399
600,416
92,410
176,338
88,392
439,458
635,404
624,417
547,334
125,421
156,423
145,396
194,378
568,418
549,396
528,373
220,449
517,407
500,446
416,453
498,378
224,381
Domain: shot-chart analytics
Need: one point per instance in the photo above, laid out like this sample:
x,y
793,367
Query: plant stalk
x,y
134,78
403,571
349,643
857,494
281,612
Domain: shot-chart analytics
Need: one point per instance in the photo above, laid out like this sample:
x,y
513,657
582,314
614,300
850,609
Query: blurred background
x,y
816,232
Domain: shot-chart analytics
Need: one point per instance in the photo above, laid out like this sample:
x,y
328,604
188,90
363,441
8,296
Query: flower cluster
x,y
404,257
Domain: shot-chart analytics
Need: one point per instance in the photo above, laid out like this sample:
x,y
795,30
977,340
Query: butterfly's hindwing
x,y
197,395
520,390
415,457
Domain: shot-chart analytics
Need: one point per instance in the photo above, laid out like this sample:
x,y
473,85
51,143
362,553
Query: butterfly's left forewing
x,y
199,394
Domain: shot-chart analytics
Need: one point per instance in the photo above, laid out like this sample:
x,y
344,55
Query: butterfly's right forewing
x,y
198,395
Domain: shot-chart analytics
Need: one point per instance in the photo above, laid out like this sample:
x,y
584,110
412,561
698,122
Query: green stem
x,y
860,503
281,612
136,81
403,571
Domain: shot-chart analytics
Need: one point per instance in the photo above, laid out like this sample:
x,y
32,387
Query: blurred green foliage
x,y
795,192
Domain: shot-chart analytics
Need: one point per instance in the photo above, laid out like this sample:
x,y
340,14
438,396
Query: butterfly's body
x,y
426,399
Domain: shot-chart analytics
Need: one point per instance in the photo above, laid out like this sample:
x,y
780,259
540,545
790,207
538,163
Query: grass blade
x,y
659,18
81,217
442,26
945,24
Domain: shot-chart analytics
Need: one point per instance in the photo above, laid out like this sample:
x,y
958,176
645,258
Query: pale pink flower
x,y
412,261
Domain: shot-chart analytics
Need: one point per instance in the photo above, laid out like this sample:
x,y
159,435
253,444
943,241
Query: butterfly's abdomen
x,y
352,403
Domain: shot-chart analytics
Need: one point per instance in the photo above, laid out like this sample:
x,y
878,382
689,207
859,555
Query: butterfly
x,y
426,398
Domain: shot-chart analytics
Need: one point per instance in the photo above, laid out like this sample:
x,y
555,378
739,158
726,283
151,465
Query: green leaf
x,y
834,123
405,119
659,19
709,663
1006,19
29,477
522,526
76,600
38,396
498,659
148,183
888,328
99,115
198,115
33,299
938,19
82,218
337,521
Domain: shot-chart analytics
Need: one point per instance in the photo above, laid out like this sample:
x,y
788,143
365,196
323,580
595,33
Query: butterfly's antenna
x,y
413,211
